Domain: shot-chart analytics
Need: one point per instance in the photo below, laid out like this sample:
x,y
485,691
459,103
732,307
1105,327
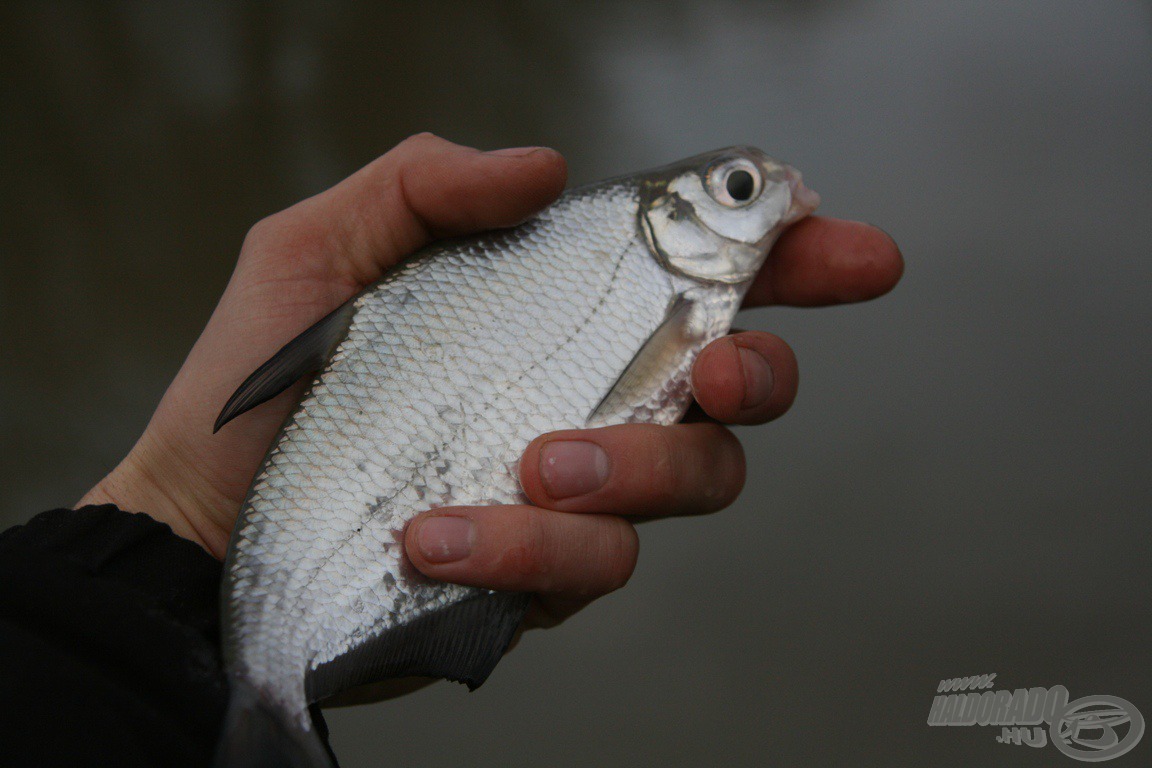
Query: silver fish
x,y
433,381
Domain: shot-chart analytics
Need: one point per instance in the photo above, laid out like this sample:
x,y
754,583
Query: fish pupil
x,y
740,185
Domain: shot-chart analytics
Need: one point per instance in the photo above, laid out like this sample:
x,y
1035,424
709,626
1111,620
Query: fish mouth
x,y
804,200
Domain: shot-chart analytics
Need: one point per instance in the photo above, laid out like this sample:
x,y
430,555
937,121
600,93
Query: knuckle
x,y
663,477
424,136
718,382
622,549
262,231
528,556
721,464
732,472
421,140
383,173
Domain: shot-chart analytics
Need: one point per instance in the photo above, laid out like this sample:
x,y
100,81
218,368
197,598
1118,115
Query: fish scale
x,y
447,369
393,356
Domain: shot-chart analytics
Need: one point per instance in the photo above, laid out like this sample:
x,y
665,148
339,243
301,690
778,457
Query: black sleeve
x,y
109,643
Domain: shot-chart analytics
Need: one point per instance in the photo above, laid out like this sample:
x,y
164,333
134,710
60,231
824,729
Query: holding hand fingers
x,y
572,543
635,469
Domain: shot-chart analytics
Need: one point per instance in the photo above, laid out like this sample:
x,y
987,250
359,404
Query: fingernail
x,y
757,378
572,468
514,151
445,539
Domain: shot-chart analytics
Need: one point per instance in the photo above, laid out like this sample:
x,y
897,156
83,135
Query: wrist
x,y
154,480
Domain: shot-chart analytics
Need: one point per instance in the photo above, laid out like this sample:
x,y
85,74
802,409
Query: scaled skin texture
x,y
586,316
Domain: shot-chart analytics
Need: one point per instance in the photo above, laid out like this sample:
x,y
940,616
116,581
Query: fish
x,y
427,387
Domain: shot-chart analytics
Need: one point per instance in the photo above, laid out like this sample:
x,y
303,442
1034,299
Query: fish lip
x,y
804,200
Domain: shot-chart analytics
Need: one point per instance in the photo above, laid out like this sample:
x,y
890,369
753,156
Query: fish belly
x,y
452,365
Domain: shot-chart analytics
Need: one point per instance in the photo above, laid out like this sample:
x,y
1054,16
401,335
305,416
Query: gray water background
x,y
963,486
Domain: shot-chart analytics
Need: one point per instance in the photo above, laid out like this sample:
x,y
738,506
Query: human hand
x,y
576,541
574,544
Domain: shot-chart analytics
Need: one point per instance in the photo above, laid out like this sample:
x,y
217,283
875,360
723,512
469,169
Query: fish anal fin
x,y
304,354
654,363
462,643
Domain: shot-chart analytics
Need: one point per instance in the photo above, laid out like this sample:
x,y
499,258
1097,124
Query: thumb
x,y
426,187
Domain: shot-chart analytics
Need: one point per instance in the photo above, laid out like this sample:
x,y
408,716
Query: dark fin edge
x,y
304,354
462,643
255,735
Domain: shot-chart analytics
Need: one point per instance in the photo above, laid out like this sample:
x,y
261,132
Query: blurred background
x,y
963,486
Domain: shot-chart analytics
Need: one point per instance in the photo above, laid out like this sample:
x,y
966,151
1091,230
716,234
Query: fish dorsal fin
x,y
654,363
304,354
462,643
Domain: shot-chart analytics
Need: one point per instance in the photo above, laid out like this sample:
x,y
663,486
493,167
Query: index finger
x,y
820,261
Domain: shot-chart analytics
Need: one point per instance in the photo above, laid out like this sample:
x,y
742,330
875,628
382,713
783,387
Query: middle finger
x,y
635,469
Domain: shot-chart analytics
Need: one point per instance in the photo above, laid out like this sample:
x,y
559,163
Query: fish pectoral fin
x,y
304,354
462,643
652,364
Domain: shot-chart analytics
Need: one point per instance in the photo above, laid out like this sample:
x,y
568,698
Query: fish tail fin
x,y
255,735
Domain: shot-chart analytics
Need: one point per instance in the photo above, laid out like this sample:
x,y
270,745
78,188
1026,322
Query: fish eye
x,y
740,185
735,183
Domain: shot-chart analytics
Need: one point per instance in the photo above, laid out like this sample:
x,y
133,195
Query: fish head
x,y
713,217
